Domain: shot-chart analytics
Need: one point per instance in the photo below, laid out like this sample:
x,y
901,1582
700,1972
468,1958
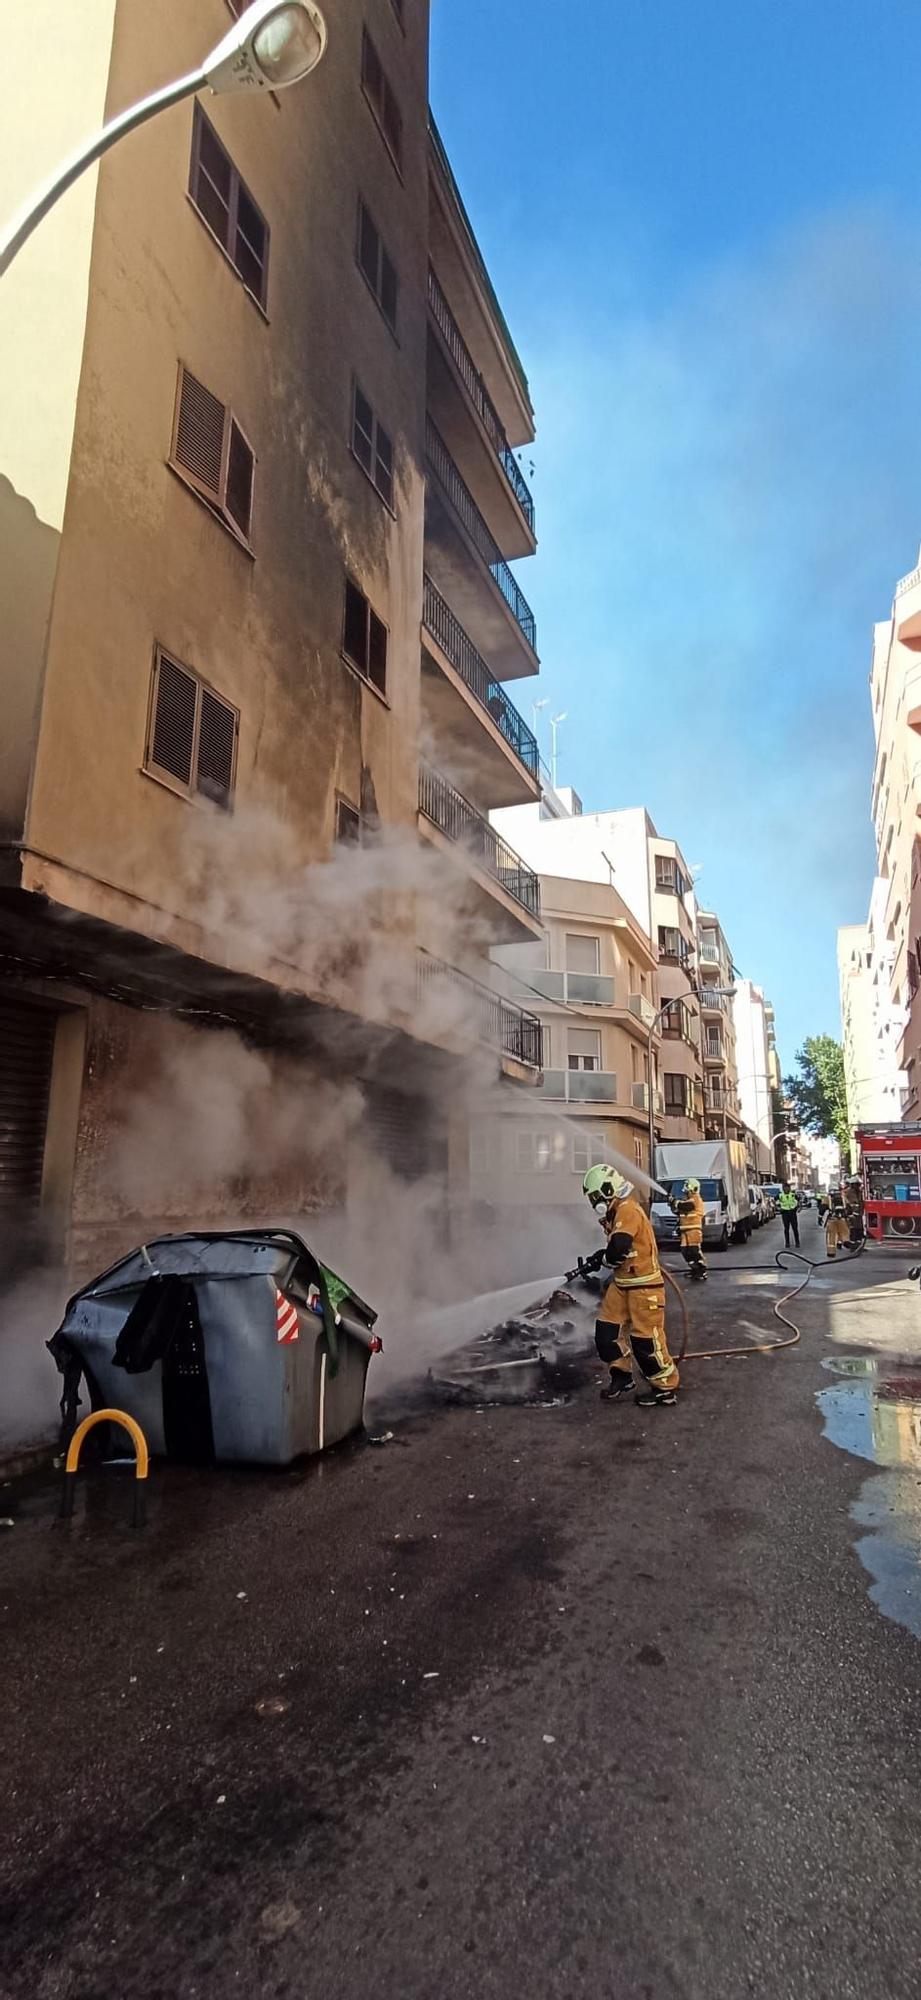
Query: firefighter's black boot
x,y
619,1385
653,1399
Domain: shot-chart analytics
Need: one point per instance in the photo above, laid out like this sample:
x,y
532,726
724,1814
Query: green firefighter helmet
x,y
692,1187
603,1185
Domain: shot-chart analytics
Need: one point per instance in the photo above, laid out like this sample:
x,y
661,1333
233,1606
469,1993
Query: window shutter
x,y
356,626
383,466
363,431
251,245
211,178
368,247
200,433
239,480
348,824
392,121
216,741
173,733
377,654
388,288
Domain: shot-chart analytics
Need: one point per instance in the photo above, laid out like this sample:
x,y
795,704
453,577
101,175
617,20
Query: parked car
x,y
771,1192
758,1209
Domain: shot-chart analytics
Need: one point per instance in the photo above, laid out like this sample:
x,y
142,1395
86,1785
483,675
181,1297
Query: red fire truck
x,y
890,1165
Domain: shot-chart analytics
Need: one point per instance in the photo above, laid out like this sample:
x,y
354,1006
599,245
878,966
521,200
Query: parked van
x,y
721,1168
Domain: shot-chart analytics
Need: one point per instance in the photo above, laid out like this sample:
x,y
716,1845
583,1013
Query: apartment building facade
x,y
751,1015
869,1031
593,981
722,1105
258,501
624,849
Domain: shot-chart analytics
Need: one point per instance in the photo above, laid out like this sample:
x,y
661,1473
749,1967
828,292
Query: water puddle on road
x,y
874,1412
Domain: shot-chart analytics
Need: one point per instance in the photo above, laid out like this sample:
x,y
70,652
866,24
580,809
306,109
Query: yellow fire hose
x,y
753,1346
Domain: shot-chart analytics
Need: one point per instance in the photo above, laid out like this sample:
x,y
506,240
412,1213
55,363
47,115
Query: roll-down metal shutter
x,y
26,1054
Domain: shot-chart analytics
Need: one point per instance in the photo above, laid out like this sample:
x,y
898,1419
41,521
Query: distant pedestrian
x,y
788,1215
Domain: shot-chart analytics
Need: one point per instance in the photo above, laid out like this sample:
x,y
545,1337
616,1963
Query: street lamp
x,y
690,993
274,43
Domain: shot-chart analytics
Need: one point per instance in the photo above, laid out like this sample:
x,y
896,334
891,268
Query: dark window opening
x,y
365,637
226,205
377,266
372,446
348,824
377,88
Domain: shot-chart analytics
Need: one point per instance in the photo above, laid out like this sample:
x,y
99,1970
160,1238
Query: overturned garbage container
x,y
235,1346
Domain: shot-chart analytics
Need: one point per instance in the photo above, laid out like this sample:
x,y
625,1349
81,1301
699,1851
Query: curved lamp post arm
x,y
273,43
22,227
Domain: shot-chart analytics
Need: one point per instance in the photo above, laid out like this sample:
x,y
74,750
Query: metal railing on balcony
x,y
454,816
444,468
580,1086
714,1050
449,634
712,1002
492,1018
479,396
710,953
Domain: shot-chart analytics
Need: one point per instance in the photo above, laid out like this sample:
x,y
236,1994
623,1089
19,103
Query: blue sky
x,y
702,221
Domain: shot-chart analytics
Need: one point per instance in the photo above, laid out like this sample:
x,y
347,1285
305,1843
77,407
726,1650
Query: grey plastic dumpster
x,y
236,1346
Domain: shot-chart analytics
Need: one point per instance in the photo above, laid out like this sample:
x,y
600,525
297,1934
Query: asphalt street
x,y
565,1699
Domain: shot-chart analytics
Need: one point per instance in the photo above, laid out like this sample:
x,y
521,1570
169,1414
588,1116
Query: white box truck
x,y
721,1168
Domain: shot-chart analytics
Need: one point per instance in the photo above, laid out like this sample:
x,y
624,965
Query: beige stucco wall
x,y
47,113
143,561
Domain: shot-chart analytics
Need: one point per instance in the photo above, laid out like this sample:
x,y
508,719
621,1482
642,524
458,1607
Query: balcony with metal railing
x,y
447,809
710,953
580,1086
458,649
499,618
460,1008
479,396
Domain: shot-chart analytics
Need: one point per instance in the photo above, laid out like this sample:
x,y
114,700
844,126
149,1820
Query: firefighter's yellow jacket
x,y
641,1264
690,1220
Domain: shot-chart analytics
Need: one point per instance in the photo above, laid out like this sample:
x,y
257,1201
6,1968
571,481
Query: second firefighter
x,y
689,1209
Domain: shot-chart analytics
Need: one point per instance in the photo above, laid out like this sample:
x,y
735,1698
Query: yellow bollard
x,y
73,1459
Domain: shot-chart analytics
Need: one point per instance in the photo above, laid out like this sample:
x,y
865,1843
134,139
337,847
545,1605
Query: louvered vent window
x,y
364,639
378,267
372,446
211,453
224,202
192,736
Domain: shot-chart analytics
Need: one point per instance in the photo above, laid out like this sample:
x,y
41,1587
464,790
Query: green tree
x,y
817,1090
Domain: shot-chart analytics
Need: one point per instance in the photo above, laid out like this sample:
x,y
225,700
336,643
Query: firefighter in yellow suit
x,y
837,1227
631,1325
690,1211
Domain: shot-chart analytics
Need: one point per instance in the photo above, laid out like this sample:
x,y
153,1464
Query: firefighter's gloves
x,y
617,1248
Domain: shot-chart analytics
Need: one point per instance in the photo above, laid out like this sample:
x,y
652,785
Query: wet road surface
x,y
571,1700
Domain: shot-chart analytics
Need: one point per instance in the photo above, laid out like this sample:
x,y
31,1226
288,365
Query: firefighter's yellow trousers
x,y
631,1327
837,1230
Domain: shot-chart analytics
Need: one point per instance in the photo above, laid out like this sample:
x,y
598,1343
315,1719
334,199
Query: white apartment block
x,y
624,850
752,1015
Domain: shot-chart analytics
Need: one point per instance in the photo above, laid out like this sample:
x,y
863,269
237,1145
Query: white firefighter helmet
x,y
603,1185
